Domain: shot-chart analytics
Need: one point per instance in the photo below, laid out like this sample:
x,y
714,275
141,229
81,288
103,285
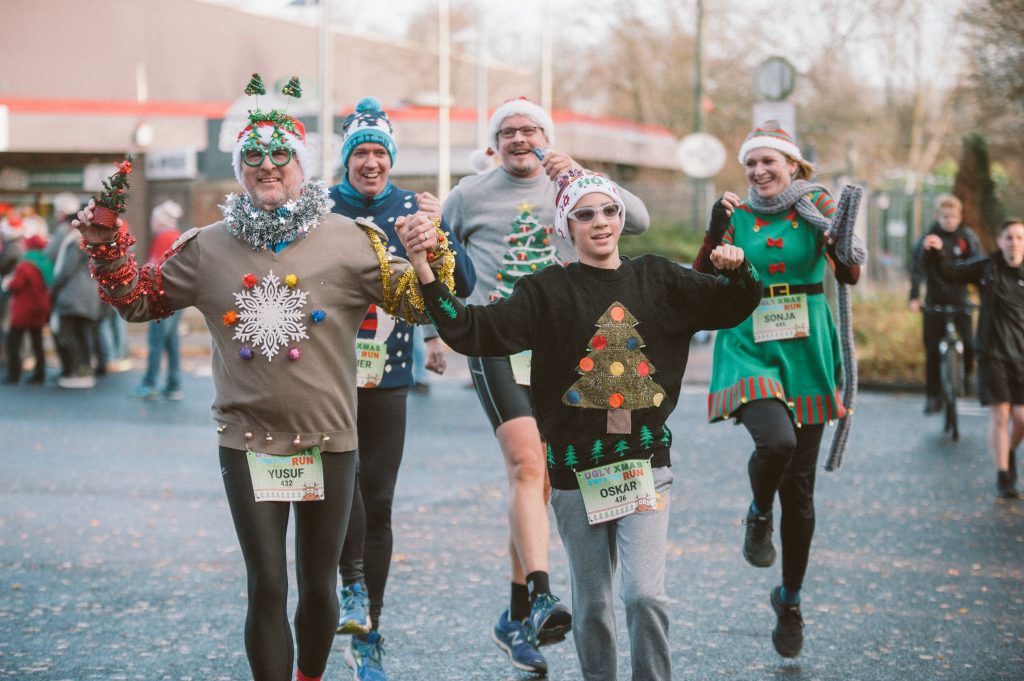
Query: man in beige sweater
x,y
283,284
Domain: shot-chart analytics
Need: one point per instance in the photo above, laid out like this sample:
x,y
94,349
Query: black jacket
x,y
958,245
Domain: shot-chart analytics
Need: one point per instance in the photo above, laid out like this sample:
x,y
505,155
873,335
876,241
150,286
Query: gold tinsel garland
x,y
406,286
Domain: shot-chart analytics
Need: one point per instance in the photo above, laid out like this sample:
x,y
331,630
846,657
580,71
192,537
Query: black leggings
x,y
785,459
262,529
14,342
368,545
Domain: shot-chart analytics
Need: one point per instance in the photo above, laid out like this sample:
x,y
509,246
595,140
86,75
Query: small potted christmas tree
x,y
112,200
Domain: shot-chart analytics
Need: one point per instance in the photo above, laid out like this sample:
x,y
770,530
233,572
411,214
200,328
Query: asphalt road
x,y
118,559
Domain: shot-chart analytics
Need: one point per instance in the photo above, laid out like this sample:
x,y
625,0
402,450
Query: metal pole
x,y
699,190
481,80
326,122
444,174
545,60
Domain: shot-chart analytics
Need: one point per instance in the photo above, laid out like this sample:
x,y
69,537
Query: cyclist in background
x,y
959,242
1000,276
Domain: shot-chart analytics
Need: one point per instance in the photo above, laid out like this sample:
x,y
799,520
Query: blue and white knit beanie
x,y
770,136
368,123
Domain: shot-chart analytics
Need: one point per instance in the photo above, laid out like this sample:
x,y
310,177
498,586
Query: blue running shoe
x,y
364,657
355,610
550,619
516,639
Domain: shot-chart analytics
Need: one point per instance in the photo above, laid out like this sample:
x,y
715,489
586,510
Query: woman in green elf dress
x,y
779,371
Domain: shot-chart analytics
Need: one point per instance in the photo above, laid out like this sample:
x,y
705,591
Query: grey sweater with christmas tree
x,y
609,349
481,210
284,369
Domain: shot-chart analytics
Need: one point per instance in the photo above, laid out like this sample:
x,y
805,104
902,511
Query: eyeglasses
x,y
279,154
526,130
587,214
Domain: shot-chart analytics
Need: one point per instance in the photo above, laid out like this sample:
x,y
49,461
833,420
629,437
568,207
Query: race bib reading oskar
x,y
296,477
781,317
370,358
521,366
616,490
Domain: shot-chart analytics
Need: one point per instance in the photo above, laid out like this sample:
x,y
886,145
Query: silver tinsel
x,y
294,220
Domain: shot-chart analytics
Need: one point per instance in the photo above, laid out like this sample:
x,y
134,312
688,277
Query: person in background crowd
x,y
480,210
385,376
65,207
162,336
960,243
1000,276
11,251
28,286
776,374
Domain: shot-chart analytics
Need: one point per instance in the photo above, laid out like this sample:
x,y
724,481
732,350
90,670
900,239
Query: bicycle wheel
x,y
951,380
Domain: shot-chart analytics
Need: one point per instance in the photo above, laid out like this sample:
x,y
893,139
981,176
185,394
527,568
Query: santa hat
x,y
66,204
273,127
368,123
573,185
165,216
520,106
770,136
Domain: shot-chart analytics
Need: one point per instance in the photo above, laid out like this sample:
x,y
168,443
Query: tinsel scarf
x,y
850,250
260,228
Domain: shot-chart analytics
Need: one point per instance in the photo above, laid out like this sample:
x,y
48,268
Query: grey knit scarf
x,y
850,251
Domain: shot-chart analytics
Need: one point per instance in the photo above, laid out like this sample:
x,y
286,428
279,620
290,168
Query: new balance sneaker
x,y
145,392
518,642
364,657
788,636
757,544
174,395
549,619
355,610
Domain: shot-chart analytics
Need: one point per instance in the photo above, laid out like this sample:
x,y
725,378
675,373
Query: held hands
x,y
727,257
556,163
721,212
435,356
94,235
418,234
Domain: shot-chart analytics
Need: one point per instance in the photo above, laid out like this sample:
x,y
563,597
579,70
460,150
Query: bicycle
x,y
951,365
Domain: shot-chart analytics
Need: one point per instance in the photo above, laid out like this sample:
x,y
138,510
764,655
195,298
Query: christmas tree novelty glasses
x,y
587,214
253,154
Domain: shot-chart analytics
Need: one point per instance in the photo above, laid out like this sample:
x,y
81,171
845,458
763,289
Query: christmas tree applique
x,y
615,374
597,451
531,249
570,456
448,308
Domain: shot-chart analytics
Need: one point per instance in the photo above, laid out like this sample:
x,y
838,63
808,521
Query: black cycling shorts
x,y
1000,380
501,397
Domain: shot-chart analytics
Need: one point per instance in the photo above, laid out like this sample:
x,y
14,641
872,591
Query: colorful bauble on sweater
x,y
270,318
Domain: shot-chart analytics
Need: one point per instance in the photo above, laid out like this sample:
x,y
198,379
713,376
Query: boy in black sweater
x,y
1000,340
609,337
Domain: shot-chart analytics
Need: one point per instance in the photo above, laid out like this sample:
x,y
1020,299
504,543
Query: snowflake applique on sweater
x,y
270,315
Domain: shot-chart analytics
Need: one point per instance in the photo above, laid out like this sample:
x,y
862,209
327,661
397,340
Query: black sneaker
x,y
788,636
1004,485
757,545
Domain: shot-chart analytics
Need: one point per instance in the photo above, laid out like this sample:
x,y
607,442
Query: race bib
x,y
521,362
617,490
297,477
781,317
370,359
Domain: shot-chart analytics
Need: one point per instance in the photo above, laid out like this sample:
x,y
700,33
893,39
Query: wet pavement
x,y
118,559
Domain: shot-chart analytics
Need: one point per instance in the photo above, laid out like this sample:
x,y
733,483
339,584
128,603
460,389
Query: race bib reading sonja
x,y
521,366
297,477
781,317
616,490
370,358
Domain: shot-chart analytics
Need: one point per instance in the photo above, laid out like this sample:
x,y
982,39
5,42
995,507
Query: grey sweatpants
x,y
638,542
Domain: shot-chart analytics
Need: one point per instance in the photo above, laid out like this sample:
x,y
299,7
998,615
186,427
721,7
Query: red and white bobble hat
x,y
264,126
573,185
770,136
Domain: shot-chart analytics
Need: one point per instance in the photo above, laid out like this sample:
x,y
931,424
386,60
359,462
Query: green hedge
x,y
888,336
671,240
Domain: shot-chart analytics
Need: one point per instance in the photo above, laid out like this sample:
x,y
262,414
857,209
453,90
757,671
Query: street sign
x,y
783,112
701,155
775,79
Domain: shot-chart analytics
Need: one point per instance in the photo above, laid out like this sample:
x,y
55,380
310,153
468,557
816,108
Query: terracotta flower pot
x,y
104,217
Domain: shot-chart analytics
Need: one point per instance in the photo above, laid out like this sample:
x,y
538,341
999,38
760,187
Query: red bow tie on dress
x,y
776,267
777,243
